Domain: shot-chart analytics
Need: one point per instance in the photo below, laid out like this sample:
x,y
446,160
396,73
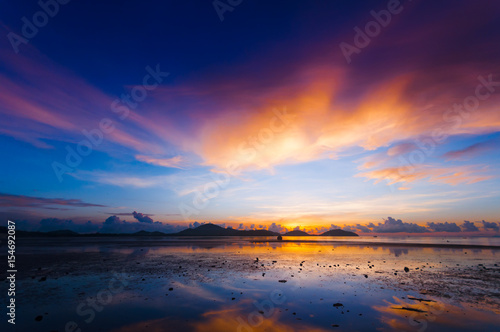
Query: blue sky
x,y
264,118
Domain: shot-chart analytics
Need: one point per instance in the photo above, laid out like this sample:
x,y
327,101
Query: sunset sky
x,y
279,115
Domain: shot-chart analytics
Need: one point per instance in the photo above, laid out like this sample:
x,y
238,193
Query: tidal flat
x,y
255,284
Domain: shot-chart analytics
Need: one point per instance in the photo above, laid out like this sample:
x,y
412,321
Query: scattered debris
x,y
418,299
409,309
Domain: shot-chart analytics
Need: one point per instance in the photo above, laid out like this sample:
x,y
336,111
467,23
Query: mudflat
x,y
252,284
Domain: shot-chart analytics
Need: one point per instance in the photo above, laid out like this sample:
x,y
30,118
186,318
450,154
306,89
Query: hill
x,y
146,233
207,230
338,232
214,230
203,230
296,233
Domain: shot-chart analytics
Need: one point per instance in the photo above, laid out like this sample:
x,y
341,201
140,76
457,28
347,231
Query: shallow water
x,y
123,284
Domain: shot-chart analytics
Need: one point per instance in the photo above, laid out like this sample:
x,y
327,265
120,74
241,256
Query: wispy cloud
x,y
174,162
472,150
454,175
123,180
8,200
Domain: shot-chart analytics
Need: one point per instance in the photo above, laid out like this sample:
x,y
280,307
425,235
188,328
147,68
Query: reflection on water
x,y
433,314
235,285
231,318
398,251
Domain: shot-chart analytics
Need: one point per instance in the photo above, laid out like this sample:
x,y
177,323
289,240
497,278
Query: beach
x,y
256,284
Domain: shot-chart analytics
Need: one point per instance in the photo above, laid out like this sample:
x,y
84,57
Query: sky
x,y
372,116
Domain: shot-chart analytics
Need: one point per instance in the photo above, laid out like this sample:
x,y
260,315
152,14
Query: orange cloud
x,y
323,122
329,111
453,176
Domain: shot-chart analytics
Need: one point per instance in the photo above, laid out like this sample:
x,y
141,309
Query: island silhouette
x,y
209,229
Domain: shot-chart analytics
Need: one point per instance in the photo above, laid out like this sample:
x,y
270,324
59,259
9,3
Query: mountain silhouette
x,y
296,233
214,230
338,232
203,230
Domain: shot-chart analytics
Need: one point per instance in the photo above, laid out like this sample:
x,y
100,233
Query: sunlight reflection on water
x,y
231,284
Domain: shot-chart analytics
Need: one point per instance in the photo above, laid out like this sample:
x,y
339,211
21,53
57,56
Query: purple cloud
x,y
472,150
490,225
276,228
142,218
392,225
468,226
41,202
443,227
55,224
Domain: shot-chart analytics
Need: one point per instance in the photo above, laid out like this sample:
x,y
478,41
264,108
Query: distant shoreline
x,y
167,241
389,244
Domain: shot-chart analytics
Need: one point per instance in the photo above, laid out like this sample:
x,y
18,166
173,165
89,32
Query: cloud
x,y
472,150
490,225
392,225
131,214
227,118
114,224
142,218
47,102
358,228
123,180
363,229
372,160
55,224
443,227
384,157
401,149
453,176
349,228
174,162
319,230
318,125
468,226
329,108
51,224
277,228
41,202
195,224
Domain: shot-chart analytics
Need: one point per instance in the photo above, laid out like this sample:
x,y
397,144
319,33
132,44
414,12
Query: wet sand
x,y
236,284
388,244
